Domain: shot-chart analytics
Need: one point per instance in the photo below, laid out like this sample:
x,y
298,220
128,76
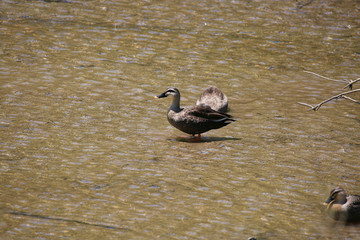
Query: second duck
x,y
214,98
343,207
193,119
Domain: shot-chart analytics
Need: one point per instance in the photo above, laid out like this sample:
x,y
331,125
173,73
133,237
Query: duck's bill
x,y
328,201
161,95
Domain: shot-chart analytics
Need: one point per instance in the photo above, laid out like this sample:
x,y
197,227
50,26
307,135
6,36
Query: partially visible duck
x,y
193,119
214,98
343,207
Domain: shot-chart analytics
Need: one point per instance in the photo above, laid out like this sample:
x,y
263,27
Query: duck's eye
x,y
333,196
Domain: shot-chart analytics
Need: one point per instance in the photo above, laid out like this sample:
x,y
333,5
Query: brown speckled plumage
x,y
343,207
214,98
193,119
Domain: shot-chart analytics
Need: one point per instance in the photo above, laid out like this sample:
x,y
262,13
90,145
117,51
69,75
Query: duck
x,y
214,98
343,207
193,119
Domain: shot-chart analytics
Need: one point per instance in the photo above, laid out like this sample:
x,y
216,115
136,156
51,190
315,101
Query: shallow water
x,y
87,152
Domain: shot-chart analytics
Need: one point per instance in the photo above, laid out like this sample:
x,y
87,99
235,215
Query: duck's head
x,y
337,195
170,91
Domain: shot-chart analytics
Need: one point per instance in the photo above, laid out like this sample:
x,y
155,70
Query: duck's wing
x,y
355,199
353,206
206,113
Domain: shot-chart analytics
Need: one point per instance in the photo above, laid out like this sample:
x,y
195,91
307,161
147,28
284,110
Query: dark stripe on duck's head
x,y
334,195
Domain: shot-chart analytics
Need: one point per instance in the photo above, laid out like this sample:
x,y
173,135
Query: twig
x,y
308,105
335,80
67,220
351,99
341,95
300,5
350,84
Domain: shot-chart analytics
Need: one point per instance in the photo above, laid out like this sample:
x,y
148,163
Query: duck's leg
x,y
195,139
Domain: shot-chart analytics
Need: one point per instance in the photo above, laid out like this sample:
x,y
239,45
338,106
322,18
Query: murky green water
x,y
87,153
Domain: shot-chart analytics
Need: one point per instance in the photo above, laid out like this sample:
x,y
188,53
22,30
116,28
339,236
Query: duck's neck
x,y
175,105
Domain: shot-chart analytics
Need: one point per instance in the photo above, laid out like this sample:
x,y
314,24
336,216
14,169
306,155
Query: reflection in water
x,y
205,139
83,140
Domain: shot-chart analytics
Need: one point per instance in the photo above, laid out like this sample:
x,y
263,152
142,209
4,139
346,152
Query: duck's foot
x,y
192,138
195,139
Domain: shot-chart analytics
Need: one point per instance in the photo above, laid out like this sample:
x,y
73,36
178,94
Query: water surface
x,y
87,152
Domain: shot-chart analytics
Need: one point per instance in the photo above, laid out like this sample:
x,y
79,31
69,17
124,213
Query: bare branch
x,y
341,95
350,84
305,104
301,5
335,80
351,99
